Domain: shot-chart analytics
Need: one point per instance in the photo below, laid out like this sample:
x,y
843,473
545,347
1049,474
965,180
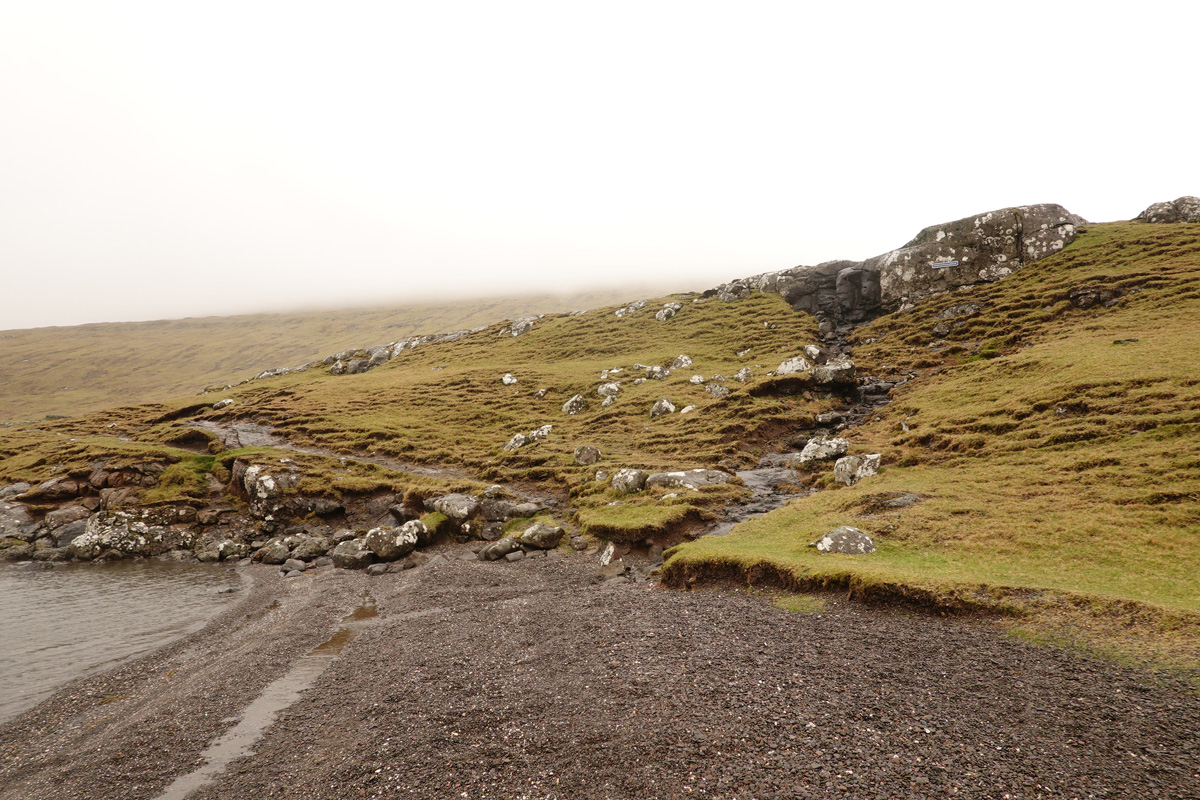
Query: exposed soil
x,y
512,680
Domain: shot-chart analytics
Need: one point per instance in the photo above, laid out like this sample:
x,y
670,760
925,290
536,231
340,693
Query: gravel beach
x,y
528,680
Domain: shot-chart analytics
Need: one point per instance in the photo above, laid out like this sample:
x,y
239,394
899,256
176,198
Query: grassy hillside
x,y
67,371
1050,436
1054,448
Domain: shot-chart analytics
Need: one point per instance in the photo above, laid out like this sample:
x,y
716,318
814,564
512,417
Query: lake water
x,y
60,624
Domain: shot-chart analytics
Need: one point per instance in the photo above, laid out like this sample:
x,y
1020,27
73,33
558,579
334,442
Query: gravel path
x,y
525,680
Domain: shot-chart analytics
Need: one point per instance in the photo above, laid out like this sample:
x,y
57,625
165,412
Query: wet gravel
x,y
514,680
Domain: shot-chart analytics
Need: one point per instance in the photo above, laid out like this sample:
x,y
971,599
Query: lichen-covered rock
x,y
275,551
611,389
586,455
517,441
498,549
742,375
149,532
696,380
352,554
457,507
629,480
574,405
496,509
542,536
820,448
655,372
663,406
793,366
310,548
835,372
522,326
849,470
15,520
681,362
508,379
13,489
389,543
631,308
688,479
1185,209
717,390
668,310
846,540
976,249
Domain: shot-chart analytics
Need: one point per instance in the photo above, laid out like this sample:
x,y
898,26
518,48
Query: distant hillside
x,y
67,371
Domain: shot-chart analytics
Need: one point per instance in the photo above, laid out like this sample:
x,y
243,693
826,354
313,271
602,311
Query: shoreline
x,y
527,679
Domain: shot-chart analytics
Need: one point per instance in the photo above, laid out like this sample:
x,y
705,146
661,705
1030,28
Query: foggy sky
x,y
169,159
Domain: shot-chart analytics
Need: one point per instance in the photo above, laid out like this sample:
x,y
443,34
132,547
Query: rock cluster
x,y
1185,209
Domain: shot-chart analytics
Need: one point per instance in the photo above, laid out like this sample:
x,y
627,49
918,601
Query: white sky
x,y
163,159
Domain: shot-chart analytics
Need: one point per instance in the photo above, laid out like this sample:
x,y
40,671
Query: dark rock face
x,y
977,249
1185,209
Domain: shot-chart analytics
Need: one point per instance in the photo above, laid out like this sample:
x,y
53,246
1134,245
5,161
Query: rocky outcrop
x,y
1185,209
972,250
144,532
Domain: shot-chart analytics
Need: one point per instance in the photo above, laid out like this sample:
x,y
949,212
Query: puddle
x,y
259,715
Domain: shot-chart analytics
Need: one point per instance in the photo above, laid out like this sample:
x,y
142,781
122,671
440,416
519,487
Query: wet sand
x,y
511,680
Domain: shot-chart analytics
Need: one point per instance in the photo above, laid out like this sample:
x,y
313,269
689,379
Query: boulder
x,y
667,311
138,533
845,539
629,480
65,516
586,455
389,543
835,372
498,549
574,405
457,507
820,448
518,441
793,366
607,390
681,362
742,375
352,554
816,353
523,510
696,380
508,379
16,521
663,406
852,469
522,326
495,509
542,536
13,489
631,308
1185,209
717,390
418,530
275,551
688,479
657,373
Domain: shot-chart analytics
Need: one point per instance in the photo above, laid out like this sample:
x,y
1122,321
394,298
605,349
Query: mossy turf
x,y
1061,472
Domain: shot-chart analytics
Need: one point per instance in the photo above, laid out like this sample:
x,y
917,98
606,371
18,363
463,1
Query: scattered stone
x,y
574,405
629,480
688,409
579,543
522,325
293,565
668,310
542,536
847,540
830,417
601,476
688,479
458,507
498,549
540,393
608,390
717,390
681,362
696,379
352,554
508,379
657,373
816,353
389,544
608,401
378,569
515,555
223,403
663,406
835,372
849,470
631,308
820,448
586,455
742,375
793,366
543,432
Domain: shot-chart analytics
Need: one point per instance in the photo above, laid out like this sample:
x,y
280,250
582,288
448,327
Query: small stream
x,y
764,483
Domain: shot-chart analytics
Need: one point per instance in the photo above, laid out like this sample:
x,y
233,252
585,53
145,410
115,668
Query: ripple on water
x,y
60,624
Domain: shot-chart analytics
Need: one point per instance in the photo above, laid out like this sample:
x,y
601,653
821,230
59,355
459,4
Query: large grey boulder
x,y
629,480
389,543
849,470
846,540
542,536
1185,209
820,448
688,479
136,533
352,554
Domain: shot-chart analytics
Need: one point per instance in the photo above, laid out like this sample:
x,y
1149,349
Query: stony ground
x,y
525,680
